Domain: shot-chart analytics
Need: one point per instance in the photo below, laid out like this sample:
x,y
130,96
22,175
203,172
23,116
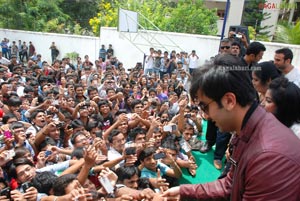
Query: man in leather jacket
x,y
266,154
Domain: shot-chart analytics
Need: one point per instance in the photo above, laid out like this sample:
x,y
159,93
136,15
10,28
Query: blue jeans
x,y
148,70
221,144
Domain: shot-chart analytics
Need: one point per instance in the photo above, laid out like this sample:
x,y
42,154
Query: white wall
x,y
205,46
65,43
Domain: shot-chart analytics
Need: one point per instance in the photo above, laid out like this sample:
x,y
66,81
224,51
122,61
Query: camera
x,y
25,186
130,150
5,192
60,124
159,155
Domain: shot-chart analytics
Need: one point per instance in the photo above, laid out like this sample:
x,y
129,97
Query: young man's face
x,y
138,109
118,142
132,182
140,138
150,163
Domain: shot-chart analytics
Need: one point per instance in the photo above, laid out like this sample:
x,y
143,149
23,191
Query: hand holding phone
x,y
106,184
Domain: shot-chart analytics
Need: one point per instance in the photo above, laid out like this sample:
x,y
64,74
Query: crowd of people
x,y
94,131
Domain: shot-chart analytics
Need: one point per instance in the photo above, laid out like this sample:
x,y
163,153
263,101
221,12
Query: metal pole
x,y
225,18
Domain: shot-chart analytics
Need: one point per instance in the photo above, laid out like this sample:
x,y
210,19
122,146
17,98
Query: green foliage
x,y
287,33
253,15
187,16
72,55
36,15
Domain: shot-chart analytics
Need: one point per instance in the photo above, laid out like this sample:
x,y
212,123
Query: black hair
x,y
286,96
14,101
77,153
44,181
152,90
76,123
236,44
61,183
126,172
15,125
170,144
146,153
35,113
75,135
135,102
8,116
267,70
211,77
103,102
255,48
137,130
28,89
288,54
112,134
20,152
19,161
90,89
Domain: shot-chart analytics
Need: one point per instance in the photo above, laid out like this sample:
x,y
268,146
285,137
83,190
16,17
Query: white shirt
x,y
193,61
294,76
113,154
149,62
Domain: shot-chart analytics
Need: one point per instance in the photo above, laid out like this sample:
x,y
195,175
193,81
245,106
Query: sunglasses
x,y
223,47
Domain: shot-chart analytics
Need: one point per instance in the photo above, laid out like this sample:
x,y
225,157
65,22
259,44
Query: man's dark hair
x,y
134,132
255,48
135,102
75,135
61,183
286,96
77,153
152,90
14,101
236,44
112,134
7,116
209,78
19,161
77,123
146,153
28,89
126,172
44,181
288,54
16,125
90,89
35,113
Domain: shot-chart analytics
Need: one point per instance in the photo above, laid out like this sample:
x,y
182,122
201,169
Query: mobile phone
x,y
5,192
48,153
106,184
7,134
184,145
99,134
25,186
188,115
159,155
169,128
130,150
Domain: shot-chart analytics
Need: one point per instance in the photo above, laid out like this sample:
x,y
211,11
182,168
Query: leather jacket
x,y
266,165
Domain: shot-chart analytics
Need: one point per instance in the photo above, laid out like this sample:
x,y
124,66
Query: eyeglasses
x,y
223,47
204,107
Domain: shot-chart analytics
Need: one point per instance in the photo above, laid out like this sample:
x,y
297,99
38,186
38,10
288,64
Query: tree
x,y
253,15
287,33
35,15
188,16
